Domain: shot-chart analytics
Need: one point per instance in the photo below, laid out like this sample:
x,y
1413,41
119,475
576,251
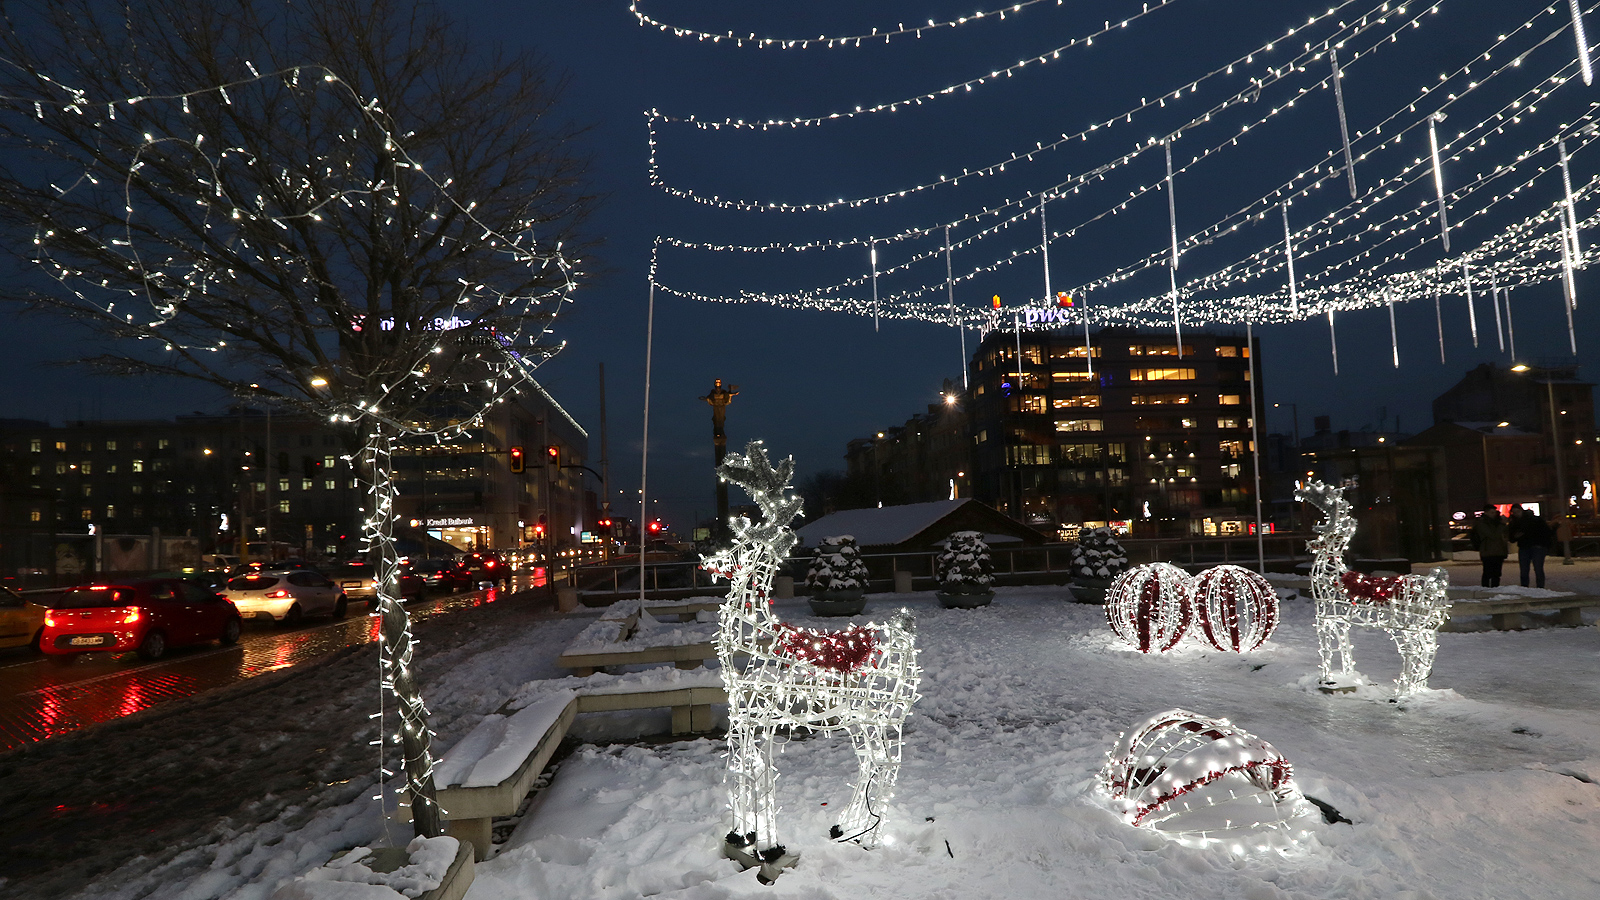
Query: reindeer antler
x,y
765,485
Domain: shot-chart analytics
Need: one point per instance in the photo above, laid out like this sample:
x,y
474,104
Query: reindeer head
x,y
768,487
1325,497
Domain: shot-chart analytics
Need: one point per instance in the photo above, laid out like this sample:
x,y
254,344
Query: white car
x,y
286,596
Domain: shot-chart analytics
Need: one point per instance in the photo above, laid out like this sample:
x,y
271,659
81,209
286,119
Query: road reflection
x,y
41,697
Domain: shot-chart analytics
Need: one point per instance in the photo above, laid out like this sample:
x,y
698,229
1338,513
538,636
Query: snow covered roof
x,y
892,525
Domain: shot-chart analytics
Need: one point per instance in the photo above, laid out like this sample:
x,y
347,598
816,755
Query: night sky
x,y
810,380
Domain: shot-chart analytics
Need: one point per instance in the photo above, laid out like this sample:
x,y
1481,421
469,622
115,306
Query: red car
x,y
147,615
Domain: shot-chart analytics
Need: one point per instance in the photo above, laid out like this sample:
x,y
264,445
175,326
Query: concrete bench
x,y
468,811
584,656
1506,613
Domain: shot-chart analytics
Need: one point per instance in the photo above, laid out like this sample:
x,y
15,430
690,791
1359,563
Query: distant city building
x,y
286,481
1123,431
1501,430
925,459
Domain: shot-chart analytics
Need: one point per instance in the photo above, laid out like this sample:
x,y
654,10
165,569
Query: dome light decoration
x,y
861,681
1204,782
1237,609
1410,607
1151,606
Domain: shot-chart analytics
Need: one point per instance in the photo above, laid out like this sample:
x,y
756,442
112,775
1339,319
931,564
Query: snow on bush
x,y
1098,555
965,561
837,565
349,878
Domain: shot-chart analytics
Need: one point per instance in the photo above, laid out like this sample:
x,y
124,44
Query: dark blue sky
x,y
810,381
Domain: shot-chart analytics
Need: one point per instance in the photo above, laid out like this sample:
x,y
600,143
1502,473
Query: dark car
x,y
487,566
358,578
439,576
147,615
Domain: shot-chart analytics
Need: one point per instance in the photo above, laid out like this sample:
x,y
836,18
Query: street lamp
x,y
1555,452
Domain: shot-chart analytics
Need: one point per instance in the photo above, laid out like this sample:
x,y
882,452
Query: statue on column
x,y
719,398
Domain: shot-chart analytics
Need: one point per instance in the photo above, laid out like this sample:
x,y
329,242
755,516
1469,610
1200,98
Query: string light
x,y
472,354
813,299
884,34
1203,781
1237,609
862,680
1151,606
1247,95
1409,607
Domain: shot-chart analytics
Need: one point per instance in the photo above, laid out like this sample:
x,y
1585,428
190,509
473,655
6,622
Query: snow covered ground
x,y
1483,787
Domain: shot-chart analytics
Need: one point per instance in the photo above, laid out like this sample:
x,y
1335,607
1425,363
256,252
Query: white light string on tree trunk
x,y
487,331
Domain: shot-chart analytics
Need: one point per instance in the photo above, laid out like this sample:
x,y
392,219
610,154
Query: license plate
x,y
89,641
350,584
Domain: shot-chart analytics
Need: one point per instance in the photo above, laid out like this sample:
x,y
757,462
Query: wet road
x,y
41,698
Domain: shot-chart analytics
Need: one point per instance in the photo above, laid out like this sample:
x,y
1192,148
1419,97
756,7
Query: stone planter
x,y
1090,590
838,603
963,595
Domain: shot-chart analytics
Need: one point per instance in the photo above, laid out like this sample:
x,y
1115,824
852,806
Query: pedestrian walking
x,y
1533,537
1493,543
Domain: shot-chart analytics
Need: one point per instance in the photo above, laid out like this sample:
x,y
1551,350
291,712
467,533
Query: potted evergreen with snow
x,y
1096,560
965,572
837,578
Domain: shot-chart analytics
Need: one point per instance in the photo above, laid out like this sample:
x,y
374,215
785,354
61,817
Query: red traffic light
x,y
553,454
655,526
518,464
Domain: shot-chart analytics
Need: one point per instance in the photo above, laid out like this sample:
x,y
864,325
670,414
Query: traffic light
x,y
604,526
538,528
552,455
655,526
518,464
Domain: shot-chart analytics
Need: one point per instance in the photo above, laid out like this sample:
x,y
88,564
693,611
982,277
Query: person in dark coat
x,y
1534,537
1493,543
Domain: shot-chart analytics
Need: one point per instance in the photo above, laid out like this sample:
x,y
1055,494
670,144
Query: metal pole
x,y
950,292
1555,448
644,454
1255,445
1172,219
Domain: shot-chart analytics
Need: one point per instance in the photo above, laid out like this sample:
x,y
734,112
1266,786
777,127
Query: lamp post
x,y
877,483
1555,452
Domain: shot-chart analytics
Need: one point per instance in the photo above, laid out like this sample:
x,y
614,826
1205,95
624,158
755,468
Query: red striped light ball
x,y
1151,606
1237,608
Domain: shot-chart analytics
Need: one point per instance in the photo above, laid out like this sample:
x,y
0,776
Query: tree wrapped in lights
x,y
331,208
862,680
1203,781
1237,609
1409,607
1096,559
1151,606
964,571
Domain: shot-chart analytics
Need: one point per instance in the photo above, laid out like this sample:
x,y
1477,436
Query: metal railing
x,y
1043,564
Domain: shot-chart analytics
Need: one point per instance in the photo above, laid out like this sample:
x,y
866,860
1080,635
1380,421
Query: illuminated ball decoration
x,y
1204,782
1237,609
1151,606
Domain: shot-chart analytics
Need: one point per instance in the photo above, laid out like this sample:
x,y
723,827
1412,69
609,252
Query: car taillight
x,y
130,614
50,618
277,594
489,564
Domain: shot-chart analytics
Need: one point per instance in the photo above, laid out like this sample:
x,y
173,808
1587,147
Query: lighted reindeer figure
x,y
1410,607
862,680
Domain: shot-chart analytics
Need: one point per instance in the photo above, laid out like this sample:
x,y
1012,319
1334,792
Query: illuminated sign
x,y
451,522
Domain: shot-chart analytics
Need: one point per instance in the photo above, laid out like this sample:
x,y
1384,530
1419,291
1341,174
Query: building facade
x,y
927,458
1120,429
1518,435
285,482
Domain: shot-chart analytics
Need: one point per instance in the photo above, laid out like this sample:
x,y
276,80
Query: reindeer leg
x,y
1417,647
1333,640
877,748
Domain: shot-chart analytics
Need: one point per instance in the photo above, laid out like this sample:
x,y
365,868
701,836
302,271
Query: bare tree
x,y
335,207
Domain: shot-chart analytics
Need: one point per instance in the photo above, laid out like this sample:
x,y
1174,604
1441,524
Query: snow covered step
x,y
490,770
